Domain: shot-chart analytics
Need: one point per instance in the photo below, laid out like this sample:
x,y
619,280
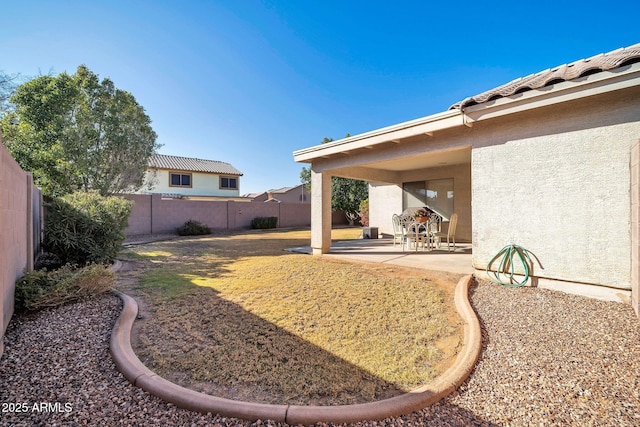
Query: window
x,y
228,183
179,179
437,194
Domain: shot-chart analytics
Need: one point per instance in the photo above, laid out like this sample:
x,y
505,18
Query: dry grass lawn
x,y
239,317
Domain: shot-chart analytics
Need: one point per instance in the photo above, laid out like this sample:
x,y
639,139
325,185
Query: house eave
x,y
156,168
425,125
591,85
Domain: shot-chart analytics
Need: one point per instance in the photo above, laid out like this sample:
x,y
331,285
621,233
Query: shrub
x,y
193,228
41,289
85,227
48,261
364,212
264,222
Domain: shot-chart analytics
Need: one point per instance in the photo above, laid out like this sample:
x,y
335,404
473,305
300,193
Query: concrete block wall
x,y
140,219
16,232
294,214
241,214
151,214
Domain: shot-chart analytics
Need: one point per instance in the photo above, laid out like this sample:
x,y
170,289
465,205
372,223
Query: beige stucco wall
x,y
202,184
635,226
557,182
384,201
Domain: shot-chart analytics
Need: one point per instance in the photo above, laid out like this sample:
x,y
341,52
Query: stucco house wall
x,y
202,184
384,201
556,181
297,194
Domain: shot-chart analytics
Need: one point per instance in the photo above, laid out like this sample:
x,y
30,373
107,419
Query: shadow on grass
x,y
215,346
198,339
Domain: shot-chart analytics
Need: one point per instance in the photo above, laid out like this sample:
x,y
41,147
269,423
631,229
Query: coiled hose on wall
x,y
505,273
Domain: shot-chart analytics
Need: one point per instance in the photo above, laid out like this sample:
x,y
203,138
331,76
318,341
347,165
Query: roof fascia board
x,y
594,84
428,124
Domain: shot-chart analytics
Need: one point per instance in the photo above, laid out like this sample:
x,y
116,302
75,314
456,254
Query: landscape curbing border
x,y
139,375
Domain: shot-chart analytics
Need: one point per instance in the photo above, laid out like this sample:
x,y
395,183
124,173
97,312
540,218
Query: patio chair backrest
x,y
397,226
453,223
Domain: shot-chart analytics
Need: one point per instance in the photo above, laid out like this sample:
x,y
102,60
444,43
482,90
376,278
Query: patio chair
x,y
414,232
450,234
398,230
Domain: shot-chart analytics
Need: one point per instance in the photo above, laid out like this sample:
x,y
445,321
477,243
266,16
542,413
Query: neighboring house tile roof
x,y
163,161
584,67
253,195
282,190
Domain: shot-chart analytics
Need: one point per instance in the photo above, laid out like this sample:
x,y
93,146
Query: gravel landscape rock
x,y
548,359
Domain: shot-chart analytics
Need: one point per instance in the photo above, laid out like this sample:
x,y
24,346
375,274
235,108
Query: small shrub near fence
x,y
193,228
264,222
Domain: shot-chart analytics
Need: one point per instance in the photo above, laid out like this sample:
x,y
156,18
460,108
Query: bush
x,y
193,228
41,289
264,222
85,227
48,261
364,212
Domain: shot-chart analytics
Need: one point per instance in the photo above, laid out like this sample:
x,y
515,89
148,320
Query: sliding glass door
x,y
436,194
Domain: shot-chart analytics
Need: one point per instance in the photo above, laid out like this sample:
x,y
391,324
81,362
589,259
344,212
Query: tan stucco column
x,y
320,212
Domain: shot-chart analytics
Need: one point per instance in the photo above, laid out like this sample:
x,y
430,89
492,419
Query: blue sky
x,y
249,82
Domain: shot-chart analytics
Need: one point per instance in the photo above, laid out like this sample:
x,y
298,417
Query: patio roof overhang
x,y
425,127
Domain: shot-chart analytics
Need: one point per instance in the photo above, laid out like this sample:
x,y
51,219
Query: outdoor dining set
x,y
421,227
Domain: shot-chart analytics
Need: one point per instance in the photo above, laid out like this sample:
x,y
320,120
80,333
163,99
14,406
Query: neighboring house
x,y
297,194
550,162
186,176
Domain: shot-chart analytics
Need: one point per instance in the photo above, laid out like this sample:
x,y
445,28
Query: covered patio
x,y
521,164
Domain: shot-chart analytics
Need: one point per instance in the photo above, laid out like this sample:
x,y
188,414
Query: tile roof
x,y
283,189
253,195
584,67
163,161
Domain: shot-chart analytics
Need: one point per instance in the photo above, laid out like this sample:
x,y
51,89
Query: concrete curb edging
x,y
139,375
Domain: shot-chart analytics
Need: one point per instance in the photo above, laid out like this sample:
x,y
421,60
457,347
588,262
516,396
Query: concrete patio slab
x,y
457,261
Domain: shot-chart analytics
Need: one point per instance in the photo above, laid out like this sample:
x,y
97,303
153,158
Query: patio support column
x,y
320,212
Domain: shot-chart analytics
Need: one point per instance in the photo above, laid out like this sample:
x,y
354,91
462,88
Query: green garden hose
x,y
504,275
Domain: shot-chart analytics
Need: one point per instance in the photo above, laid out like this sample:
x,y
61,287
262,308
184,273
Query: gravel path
x,y
548,359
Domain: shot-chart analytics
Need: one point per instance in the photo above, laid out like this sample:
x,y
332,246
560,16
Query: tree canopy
x,y
346,193
75,132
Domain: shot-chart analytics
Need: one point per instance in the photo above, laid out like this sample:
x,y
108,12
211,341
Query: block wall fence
x,y
20,231
152,214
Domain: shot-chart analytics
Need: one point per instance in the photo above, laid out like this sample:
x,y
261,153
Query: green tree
x,y
346,193
75,132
